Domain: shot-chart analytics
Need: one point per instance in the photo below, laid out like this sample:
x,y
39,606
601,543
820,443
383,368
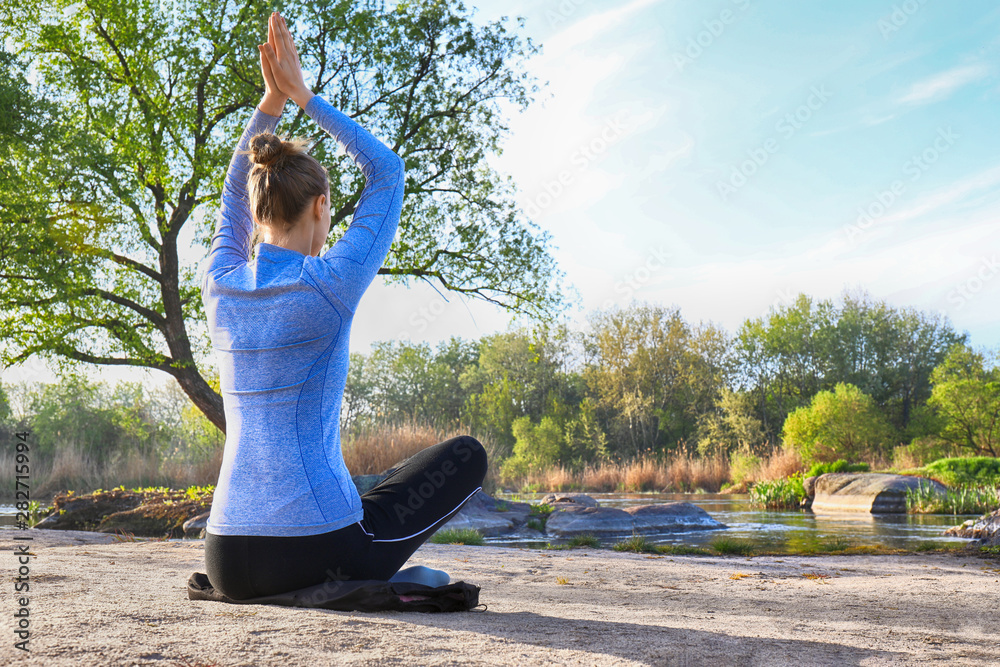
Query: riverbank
x,y
97,601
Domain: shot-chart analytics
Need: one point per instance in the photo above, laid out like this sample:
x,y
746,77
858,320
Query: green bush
x,y
840,465
844,422
968,470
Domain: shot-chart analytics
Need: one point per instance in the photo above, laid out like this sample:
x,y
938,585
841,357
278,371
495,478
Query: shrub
x,y
984,470
840,465
838,423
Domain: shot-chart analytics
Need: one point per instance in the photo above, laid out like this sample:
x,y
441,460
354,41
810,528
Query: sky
x,y
723,156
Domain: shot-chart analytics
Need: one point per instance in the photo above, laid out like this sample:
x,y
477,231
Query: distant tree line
x,y
641,379
853,379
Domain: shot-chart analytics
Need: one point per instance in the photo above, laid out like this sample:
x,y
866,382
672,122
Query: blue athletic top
x,y
280,326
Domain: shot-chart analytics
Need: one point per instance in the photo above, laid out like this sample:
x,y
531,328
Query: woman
x,y
286,514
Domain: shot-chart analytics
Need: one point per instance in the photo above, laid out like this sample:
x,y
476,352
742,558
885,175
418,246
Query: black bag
x,y
362,595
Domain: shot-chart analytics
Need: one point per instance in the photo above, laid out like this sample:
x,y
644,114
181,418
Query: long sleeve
x,y
231,241
354,260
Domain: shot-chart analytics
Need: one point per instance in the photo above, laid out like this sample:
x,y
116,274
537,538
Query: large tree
x,y
967,394
118,123
805,347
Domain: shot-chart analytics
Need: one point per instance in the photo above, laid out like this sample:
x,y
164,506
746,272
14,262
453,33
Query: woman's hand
x,y
274,99
284,62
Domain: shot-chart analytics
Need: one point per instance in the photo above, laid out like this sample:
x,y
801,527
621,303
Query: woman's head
x,y
284,183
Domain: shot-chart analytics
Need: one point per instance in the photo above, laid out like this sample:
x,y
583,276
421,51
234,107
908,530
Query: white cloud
x,y
942,85
585,30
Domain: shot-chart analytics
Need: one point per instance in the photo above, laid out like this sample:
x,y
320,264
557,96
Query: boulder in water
x,y
597,521
670,517
568,499
985,531
875,493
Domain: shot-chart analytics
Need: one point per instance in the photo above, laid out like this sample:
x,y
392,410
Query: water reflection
x,y
794,528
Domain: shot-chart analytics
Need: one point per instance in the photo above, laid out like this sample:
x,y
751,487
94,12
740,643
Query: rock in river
x,y
598,521
865,492
490,516
642,520
671,517
985,531
559,500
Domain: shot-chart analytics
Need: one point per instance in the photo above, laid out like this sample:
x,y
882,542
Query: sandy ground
x,y
95,601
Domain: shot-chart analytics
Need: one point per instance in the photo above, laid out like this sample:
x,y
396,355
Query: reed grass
x,y
786,493
373,450
963,499
679,471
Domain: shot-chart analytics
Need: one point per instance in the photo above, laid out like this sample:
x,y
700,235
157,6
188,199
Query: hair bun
x,y
266,148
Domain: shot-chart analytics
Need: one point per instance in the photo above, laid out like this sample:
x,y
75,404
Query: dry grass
x,y
682,471
749,468
376,449
204,473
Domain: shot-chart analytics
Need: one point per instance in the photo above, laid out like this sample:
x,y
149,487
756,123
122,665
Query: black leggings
x,y
400,513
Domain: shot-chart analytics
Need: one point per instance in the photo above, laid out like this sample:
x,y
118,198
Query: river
x,y
761,526
781,526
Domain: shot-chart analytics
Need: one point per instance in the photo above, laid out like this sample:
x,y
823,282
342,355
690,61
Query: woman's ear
x,y
318,204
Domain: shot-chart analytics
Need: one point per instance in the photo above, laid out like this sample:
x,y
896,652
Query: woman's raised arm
x,y
356,257
231,241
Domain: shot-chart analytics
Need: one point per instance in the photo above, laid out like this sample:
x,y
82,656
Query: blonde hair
x,y
282,182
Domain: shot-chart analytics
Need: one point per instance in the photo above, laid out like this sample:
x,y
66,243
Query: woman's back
x,y
280,326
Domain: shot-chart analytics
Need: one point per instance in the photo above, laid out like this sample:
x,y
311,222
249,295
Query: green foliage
x,y
524,372
923,450
840,423
731,426
539,515
804,347
652,375
742,465
468,536
970,470
104,424
585,540
138,106
967,394
840,465
637,544
963,499
536,447
779,494
730,546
